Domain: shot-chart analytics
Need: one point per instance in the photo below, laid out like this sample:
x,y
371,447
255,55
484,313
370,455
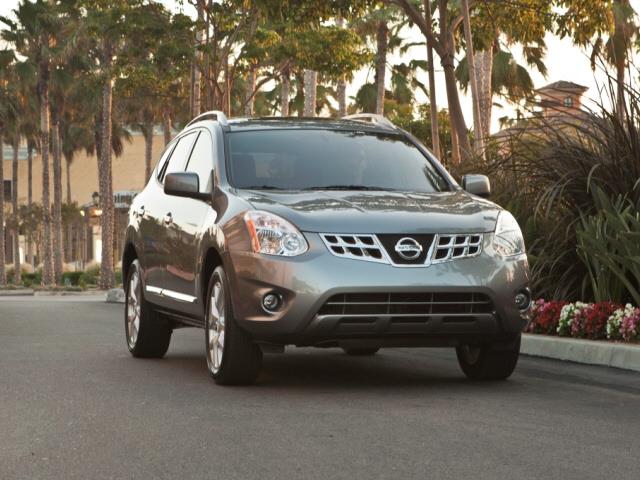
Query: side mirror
x,y
477,185
184,184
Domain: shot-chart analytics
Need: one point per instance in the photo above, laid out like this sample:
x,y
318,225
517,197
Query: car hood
x,y
378,212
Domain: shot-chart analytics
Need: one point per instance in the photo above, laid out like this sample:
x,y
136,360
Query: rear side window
x,y
201,161
178,159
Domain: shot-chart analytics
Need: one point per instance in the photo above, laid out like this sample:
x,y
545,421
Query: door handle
x,y
168,219
140,212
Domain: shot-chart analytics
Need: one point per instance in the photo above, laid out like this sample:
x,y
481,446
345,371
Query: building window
x,y
7,190
568,102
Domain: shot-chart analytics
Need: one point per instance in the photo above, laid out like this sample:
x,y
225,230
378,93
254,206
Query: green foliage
x,y
608,243
71,278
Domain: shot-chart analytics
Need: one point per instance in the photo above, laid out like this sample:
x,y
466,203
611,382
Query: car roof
x,y
273,123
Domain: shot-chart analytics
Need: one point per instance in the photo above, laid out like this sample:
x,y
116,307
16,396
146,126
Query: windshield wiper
x,y
261,187
350,187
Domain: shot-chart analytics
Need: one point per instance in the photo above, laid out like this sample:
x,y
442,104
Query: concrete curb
x,y
62,293
591,352
20,292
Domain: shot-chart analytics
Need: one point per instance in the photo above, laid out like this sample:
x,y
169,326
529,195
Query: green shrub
x,y
609,246
91,274
71,278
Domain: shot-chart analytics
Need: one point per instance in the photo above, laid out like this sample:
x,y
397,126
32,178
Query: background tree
x,y
34,36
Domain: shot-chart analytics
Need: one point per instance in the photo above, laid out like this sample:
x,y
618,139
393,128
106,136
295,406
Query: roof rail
x,y
217,115
371,118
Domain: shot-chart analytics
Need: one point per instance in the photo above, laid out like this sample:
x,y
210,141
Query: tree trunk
x,y
342,96
310,91
30,258
196,86
17,273
166,124
484,73
620,53
341,88
382,38
47,247
447,56
478,138
285,93
3,273
57,199
433,104
148,148
68,178
107,278
249,97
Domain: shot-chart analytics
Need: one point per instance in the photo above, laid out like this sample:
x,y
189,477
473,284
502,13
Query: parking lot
x,y
75,404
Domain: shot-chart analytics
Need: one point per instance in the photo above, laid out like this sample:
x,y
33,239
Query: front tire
x,y
489,362
232,357
147,336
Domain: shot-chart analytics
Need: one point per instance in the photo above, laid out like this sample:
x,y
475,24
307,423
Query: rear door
x,y
185,230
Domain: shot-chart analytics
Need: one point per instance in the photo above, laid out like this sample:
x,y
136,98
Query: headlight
x,y
273,235
508,241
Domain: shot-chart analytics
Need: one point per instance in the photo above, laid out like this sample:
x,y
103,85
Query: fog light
x,y
271,302
523,300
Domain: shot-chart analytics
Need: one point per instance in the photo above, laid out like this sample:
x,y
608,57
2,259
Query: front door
x,y
184,233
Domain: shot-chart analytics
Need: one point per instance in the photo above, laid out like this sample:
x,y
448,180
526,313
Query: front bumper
x,y
307,282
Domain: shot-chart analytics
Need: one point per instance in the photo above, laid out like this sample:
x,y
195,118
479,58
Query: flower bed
x,y
595,321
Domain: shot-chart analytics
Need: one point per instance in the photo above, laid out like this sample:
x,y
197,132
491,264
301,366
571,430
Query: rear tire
x,y
361,352
489,362
147,336
232,356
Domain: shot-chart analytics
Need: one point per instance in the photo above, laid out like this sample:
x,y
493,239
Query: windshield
x,y
331,160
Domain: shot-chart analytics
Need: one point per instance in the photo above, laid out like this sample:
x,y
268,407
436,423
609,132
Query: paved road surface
x,y
75,405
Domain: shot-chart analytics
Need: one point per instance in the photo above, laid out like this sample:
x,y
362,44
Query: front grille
x,y
452,247
389,243
381,248
360,247
407,305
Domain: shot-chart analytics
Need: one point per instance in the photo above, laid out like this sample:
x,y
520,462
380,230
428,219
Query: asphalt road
x,y
75,405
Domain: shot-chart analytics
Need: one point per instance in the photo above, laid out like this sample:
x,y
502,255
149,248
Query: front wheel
x,y
489,362
147,336
232,357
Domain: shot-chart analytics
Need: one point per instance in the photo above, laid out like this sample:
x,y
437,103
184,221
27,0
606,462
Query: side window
x,y
201,161
162,163
179,156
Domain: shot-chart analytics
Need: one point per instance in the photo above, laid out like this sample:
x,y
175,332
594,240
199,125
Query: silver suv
x,y
345,233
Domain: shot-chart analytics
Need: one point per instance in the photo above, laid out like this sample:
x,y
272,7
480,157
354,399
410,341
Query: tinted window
x,y
201,161
315,159
163,160
180,154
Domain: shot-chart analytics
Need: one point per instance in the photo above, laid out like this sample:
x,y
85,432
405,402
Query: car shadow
x,y
331,369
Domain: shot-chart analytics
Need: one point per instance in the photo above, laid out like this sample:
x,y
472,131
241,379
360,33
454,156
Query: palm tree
x,y
33,35
508,79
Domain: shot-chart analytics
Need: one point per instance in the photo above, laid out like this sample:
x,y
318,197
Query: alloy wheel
x,y
216,324
134,308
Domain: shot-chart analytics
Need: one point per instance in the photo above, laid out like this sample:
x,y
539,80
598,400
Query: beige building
x,y
128,171
561,98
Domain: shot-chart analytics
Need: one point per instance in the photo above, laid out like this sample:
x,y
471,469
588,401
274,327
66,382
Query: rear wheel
x,y
232,357
147,336
361,352
489,361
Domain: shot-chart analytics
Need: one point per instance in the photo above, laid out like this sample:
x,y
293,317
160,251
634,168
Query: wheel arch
x,y
128,256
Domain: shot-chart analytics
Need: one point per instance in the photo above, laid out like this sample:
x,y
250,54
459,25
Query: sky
x,y
564,62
